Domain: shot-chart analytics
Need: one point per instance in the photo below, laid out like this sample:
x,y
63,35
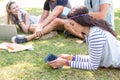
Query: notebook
x,y
7,31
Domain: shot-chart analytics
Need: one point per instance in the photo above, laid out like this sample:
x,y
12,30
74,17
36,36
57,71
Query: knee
x,y
58,21
66,23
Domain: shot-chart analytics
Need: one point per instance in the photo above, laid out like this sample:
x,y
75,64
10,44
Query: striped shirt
x,y
96,41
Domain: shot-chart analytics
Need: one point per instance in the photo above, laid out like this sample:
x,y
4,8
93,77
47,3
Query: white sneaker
x,y
19,39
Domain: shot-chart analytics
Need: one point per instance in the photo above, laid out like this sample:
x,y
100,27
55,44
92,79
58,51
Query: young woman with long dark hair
x,y
103,47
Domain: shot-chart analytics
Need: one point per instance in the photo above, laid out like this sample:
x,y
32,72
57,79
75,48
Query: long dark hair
x,y
47,0
80,15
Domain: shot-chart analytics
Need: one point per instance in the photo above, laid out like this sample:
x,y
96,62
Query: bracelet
x,y
21,22
67,63
70,58
73,59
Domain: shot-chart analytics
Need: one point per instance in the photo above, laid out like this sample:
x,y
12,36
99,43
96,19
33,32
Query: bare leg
x,y
30,37
32,28
55,24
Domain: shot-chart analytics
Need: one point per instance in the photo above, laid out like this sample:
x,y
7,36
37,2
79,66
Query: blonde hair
x,y
9,14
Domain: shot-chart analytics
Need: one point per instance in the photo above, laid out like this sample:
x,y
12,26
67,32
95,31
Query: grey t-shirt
x,y
96,5
33,19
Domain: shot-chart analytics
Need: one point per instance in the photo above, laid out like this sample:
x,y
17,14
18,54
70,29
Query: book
x,y
13,47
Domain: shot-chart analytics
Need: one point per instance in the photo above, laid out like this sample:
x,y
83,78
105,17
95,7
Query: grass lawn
x,y
30,65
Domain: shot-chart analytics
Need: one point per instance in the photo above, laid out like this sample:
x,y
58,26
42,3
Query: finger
x,y
53,65
52,62
60,55
37,33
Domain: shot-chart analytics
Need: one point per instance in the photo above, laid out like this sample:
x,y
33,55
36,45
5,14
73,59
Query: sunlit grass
x,y
16,72
30,65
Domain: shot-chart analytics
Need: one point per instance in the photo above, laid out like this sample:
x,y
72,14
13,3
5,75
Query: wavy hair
x,y
80,15
48,0
9,14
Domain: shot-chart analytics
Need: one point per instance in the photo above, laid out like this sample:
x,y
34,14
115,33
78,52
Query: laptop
x,y
7,31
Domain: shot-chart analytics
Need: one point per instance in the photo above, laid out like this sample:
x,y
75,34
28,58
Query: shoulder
x,y
46,5
23,12
95,30
96,34
105,1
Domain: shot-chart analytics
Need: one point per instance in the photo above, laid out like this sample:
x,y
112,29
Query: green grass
x,y
30,65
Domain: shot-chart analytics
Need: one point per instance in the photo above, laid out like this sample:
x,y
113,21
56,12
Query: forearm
x,y
83,65
81,58
56,11
43,16
24,27
50,18
83,62
97,15
101,13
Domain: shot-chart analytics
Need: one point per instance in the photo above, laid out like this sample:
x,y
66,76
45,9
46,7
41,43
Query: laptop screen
x,y
7,32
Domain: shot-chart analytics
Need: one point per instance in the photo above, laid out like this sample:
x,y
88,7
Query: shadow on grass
x,y
29,65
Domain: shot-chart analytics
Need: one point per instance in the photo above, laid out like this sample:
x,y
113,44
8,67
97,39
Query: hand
x,y
19,16
38,31
64,56
57,63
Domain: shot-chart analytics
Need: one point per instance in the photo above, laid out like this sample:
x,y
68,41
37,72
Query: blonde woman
x,y
48,21
20,17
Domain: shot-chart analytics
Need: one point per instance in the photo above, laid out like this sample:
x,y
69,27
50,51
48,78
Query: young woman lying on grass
x,y
20,17
47,22
103,47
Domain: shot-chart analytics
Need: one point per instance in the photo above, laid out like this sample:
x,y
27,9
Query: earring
x,y
71,24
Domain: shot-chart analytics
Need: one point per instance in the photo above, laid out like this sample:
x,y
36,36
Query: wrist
x,y
70,57
67,62
20,20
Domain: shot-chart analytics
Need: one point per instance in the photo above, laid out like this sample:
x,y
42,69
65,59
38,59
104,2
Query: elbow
x,y
26,28
25,31
94,68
